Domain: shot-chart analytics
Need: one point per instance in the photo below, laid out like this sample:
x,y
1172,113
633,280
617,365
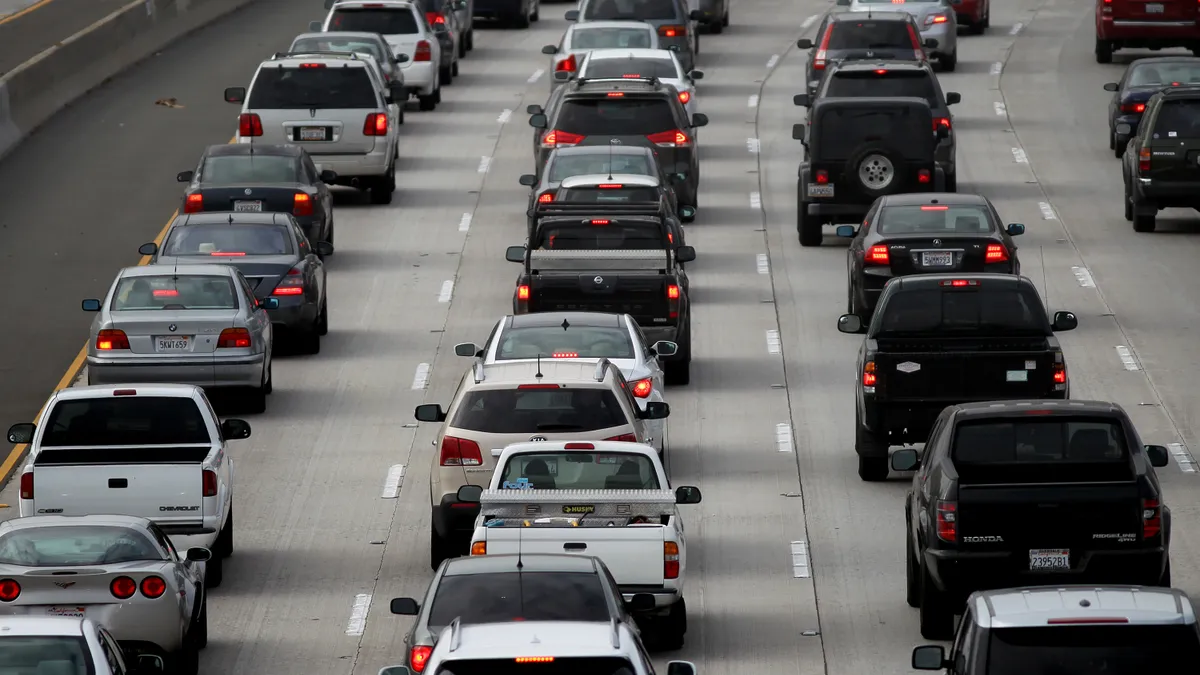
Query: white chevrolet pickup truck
x,y
605,499
155,451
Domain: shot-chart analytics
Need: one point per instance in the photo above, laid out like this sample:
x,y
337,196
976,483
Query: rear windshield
x,y
565,166
125,420
606,665
135,294
631,10
610,38
589,195
844,131
329,44
660,68
873,35
579,471
936,311
934,219
231,241
518,596
1178,119
75,545
1043,441
384,21
250,169
574,237
636,116
522,411
1172,74
308,88
574,342
61,655
1093,650
916,84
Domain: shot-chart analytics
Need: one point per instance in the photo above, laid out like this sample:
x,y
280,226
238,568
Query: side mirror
x,y
686,211
687,494
534,109
804,43
398,91
942,133
953,97
696,74
681,668
234,429
1158,455
92,304
562,76
394,670
269,303
800,100
685,254
235,94
538,121
328,176
199,554
845,231
314,26
905,460
696,15
405,607
401,58
515,254
550,49
655,410
850,323
469,349
323,248
572,15
148,249
1111,86
929,44
1015,229
148,664
528,180
1124,129
798,131
460,5
184,176
664,348
699,120
1064,321
928,657
640,602
429,412
676,179
22,432
469,494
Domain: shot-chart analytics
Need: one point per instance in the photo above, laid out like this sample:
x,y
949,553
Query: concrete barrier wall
x,y
33,92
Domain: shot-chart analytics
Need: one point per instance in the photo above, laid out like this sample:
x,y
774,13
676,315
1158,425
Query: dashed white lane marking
x,y
447,291
1047,211
1019,156
772,342
393,482
484,164
421,377
800,567
1016,28
772,61
783,437
1001,109
755,200
997,68
753,145
1126,357
465,223
752,102
505,116
809,21
764,265
1182,457
358,614
1084,277
536,74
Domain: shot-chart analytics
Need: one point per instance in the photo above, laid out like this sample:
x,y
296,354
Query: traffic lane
x,y
35,31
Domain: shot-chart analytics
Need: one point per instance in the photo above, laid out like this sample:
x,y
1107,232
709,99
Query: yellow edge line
x,y
18,451
34,7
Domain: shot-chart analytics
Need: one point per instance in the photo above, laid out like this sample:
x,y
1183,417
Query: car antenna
x,y
539,364
565,325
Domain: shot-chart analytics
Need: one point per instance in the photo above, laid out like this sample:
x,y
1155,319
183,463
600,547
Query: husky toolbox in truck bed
x,y
1021,493
937,340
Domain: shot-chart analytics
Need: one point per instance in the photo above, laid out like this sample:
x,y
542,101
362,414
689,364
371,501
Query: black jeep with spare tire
x,y
860,149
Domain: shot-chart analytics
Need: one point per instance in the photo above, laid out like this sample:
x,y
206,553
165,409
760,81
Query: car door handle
x,y
574,546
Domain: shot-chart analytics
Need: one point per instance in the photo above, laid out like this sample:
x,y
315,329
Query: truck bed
x,y
958,369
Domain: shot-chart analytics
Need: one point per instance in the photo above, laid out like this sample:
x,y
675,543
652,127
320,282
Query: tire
x,y
308,341
952,182
871,448
382,191
214,572
471,39
462,46
1104,51
537,11
446,75
521,21
937,618
876,160
186,661
872,469
725,19
976,28
323,320
716,27
678,372
808,228
256,400
439,549
911,570
948,63
672,627
1165,580
1142,223
1128,204
1112,140
454,68
1119,148
987,18
198,631
223,547
430,102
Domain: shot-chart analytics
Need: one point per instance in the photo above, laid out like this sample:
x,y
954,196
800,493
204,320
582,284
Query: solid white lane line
x,y
783,437
772,61
536,74
755,200
764,264
772,342
1001,109
465,223
1084,276
421,377
1019,156
484,163
753,145
809,21
1016,28
752,102
1047,211
997,68
393,482
447,291
505,116
800,567
1126,356
1182,457
358,614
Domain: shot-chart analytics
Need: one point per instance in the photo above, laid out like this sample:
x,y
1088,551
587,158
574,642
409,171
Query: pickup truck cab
x,y
154,451
607,499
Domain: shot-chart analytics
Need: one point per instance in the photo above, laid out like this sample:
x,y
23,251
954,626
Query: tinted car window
x,y
560,666
1087,650
215,240
872,35
519,596
660,68
250,169
934,219
997,312
1164,74
565,166
307,88
896,83
1178,119
623,195
610,38
518,411
125,420
62,655
633,10
1042,440
174,292
578,471
610,237
375,20
582,342
616,116
75,545
843,131
372,49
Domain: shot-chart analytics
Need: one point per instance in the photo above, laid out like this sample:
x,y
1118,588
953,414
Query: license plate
x,y
937,258
171,344
579,509
1018,376
819,190
312,133
1154,8
242,207
73,612
1043,559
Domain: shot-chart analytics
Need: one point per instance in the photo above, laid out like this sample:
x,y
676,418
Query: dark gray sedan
x,y
274,255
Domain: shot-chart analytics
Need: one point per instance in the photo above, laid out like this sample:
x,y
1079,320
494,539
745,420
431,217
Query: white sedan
x,y
633,63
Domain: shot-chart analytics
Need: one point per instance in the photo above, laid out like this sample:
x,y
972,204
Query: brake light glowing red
x,y
123,588
941,122
996,253
685,96
1060,374
418,658
936,18
153,587
1144,160
227,254
822,177
110,339
579,446
165,293
561,139
234,338
567,65
9,590
623,438
1134,108
631,76
959,283
423,52
923,177
600,222
435,18
642,388
670,139
823,50
194,203
302,204
522,292
616,94
208,486
545,197
250,124
312,65
672,31
868,379
1151,518
610,186
460,452
534,659
292,284
672,292
877,255
881,71
539,386
947,521
935,208
27,485
376,124
565,355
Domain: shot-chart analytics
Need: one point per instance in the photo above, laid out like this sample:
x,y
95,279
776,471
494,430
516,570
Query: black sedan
x,y
271,252
925,233
261,178
1143,79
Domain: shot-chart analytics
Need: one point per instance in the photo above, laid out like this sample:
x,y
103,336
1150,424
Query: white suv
x,y
407,32
351,123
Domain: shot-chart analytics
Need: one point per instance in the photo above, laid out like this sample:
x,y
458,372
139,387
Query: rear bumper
x,y
452,518
711,10
968,11
373,163
293,313
495,9
945,38
1168,194
1142,33
419,78
664,596
908,421
828,209
235,371
156,623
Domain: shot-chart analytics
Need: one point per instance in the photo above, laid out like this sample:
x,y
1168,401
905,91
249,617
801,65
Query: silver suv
x,y
334,106
514,402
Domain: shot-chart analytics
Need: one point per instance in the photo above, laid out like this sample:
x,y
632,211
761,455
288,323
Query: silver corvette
x,y
119,571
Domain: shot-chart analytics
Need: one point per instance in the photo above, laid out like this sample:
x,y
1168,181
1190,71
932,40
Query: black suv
x,y
1161,165
856,79
860,149
622,111
846,36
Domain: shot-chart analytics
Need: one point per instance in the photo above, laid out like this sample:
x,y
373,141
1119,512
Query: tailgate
x,y
642,296
964,375
634,555
1178,161
1154,10
242,199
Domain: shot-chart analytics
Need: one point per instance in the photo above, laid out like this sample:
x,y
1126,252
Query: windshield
x,y
630,68
374,20
632,10
576,342
250,169
843,131
174,292
125,420
616,116
603,163
610,38
276,88
1178,119
914,83
934,220
1093,650
601,237
1166,74
595,195
323,44
557,666
936,311
75,545
226,240
578,471
523,411
60,655
518,596
873,35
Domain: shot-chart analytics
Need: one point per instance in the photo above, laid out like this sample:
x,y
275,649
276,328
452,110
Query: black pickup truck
x,y
937,340
1030,493
618,261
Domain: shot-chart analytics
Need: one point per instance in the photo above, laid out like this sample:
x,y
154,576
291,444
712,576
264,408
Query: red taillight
x,y
376,124
670,139
642,388
869,374
292,284
460,452
545,197
123,588
918,51
423,52
670,560
623,438
685,96
522,292
959,283
936,19
27,485
1060,373
1144,160
234,338
947,521
673,301
1151,518
565,355
561,139
672,292
579,446
308,66
208,485
1136,108
672,31
194,203
823,50
435,18
418,658
302,204
923,177
108,340
934,208
567,65
616,94
250,124
153,587
9,590
941,123
877,255
600,221
822,176
996,253
165,293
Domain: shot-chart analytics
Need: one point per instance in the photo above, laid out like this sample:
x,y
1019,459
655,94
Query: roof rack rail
x,y
616,632
315,52
573,208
